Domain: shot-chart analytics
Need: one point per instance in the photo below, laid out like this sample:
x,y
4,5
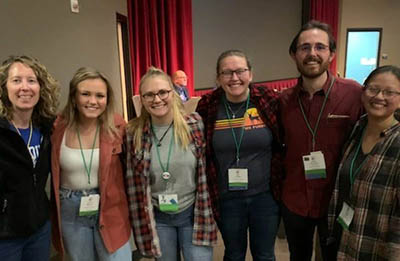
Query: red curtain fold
x,y
161,36
326,11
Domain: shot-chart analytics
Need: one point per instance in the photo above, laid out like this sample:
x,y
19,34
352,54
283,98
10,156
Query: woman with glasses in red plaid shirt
x,y
242,158
166,181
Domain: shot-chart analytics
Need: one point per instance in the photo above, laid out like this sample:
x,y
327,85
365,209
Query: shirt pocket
x,y
337,120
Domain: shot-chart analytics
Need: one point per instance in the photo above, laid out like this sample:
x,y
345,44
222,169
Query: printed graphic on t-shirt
x,y
34,151
251,120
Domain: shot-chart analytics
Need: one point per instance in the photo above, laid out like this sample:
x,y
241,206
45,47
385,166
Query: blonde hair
x,y
49,90
71,113
181,128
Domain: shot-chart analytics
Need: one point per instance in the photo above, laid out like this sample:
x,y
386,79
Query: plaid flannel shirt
x,y
139,193
374,233
267,104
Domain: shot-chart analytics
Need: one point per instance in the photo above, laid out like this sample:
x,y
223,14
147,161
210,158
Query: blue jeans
x,y
35,247
175,232
81,236
260,215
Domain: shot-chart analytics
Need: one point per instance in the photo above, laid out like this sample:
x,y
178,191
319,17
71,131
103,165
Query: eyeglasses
x,y
150,96
374,91
319,48
229,74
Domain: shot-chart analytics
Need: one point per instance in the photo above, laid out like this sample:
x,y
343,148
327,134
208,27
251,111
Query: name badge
x,y
237,179
346,216
314,165
89,205
168,202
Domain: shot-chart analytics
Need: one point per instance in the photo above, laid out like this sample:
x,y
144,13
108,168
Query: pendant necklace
x,y
234,113
166,175
158,141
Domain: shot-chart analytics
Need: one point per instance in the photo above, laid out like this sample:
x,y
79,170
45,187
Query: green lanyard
x,y
237,144
88,169
355,172
164,169
314,131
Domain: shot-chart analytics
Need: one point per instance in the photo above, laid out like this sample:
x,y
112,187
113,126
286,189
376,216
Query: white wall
x,y
61,40
262,29
371,14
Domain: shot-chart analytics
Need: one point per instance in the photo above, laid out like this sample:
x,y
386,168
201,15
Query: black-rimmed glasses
x,y
229,73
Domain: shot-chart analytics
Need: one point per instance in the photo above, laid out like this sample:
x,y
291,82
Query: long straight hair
x,y
71,113
181,128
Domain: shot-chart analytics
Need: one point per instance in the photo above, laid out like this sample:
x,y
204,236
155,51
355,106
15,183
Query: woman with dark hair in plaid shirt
x,y
364,213
166,181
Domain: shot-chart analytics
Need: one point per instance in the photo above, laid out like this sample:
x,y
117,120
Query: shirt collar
x,y
324,89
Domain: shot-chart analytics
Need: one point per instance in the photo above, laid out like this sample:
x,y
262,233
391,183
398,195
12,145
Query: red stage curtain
x,y
326,11
161,35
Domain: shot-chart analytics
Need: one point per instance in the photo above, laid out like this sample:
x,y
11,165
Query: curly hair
x,y
46,108
71,113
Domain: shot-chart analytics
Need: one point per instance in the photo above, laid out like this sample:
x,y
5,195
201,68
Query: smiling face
x,y
378,106
23,88
91,98
313,61
159,108
235,85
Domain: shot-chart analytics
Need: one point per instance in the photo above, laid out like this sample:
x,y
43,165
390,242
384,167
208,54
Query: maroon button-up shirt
x,y
310,198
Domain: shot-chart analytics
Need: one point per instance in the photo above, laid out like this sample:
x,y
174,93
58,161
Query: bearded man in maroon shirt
x,y
316,117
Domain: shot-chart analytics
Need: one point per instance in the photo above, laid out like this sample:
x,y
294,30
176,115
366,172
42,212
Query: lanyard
x,y
164,169
30,133
237,144
314,131
355,172
29,139
88,169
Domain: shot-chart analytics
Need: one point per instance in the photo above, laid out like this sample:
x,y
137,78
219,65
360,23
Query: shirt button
x,y
101,226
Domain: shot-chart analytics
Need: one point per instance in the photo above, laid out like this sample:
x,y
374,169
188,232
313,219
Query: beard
x,y
313,72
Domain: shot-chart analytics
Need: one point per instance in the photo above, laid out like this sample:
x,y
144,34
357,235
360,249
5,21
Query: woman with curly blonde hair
x,y
28,104
166,181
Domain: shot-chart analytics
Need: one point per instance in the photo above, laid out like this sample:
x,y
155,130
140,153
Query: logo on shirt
x,y
251,120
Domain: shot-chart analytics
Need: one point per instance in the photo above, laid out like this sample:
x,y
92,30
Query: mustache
x,y
312,59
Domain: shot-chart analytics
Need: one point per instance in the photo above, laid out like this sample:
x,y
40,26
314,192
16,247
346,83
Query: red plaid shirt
x,y
267,104
139,193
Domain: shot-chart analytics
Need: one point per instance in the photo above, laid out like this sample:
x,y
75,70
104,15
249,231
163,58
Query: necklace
x,y
162,137
235,112
166,174
30,136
